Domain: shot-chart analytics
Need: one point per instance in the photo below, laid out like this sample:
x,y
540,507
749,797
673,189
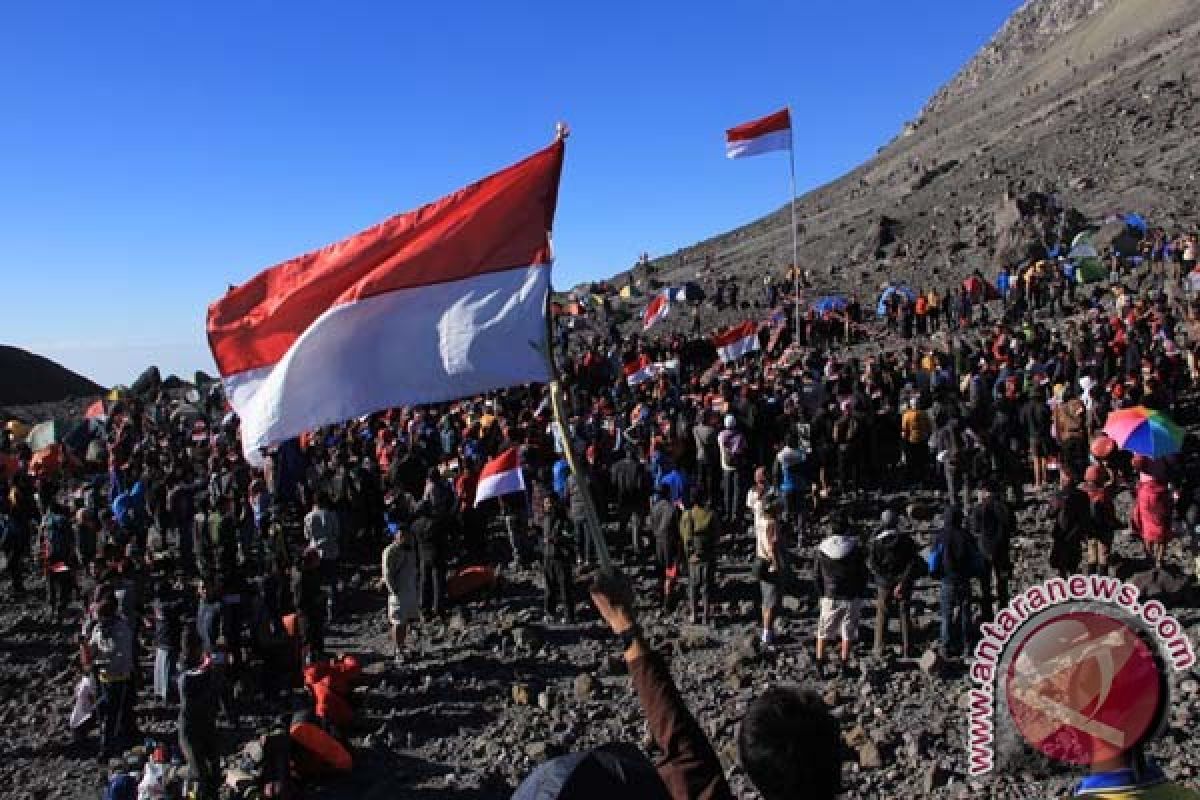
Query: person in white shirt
x,y
322,529
400,577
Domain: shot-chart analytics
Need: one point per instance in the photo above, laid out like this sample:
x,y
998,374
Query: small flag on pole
x,y
772,132
642,369
656,309
737,341
500,476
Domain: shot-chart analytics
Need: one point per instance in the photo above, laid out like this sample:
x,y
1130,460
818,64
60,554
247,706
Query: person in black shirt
x,y
956,582
198,700
167,610
558,549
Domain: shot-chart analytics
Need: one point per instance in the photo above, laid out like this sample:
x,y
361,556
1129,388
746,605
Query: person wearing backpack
x,y
731,448
199,698
1102,520
841,578
1036,419
892,559
11,545
699,529
110,655
789,480
558,554
959,563
323,532
631,481
992,525
1069,510
846,430
22,514
59,559
948,443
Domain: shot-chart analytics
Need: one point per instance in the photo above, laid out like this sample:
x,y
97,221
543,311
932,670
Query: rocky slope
x,y
1091,100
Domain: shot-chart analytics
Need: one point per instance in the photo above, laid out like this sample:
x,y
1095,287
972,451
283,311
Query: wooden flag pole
x,y
792,201
592,519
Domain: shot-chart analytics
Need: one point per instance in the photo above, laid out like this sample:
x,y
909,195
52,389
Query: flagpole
x,y
792,186
592,519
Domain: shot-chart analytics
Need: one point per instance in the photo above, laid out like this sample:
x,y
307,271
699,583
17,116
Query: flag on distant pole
x,y
502,475
737,341
642,369
772,132
656,309
763,135
427,306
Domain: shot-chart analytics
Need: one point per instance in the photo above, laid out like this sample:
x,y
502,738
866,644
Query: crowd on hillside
x,y
186,576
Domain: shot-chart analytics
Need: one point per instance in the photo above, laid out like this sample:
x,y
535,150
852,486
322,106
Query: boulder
x,y
528,636
934,778
585,686
869,756
930,662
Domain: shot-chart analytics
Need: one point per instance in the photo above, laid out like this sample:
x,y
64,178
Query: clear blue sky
x,y
153,152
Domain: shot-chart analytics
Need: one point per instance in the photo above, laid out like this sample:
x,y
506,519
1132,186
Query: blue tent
x,y
832,302
881,306
1136,221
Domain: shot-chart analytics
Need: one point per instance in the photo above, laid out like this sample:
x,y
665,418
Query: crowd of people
x,y
187,576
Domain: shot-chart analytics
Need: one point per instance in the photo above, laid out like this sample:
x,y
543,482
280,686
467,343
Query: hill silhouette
x,y
27,378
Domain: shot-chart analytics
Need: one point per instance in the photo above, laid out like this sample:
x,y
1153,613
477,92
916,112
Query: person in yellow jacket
x,y
933,307
915,430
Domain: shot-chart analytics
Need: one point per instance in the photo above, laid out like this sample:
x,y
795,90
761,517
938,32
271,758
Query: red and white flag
x,y
642,369
427,306
772,132
500,476
737,341
656,309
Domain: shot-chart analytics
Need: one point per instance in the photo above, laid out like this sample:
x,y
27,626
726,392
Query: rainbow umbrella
x,y
1144,431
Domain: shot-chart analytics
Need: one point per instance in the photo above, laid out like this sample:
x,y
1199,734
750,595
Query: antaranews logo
x,y
1074,660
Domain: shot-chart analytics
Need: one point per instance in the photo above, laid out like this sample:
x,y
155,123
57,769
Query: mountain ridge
x,y
1089,100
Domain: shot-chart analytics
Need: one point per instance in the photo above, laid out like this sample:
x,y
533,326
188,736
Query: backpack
x,y
697,537
8,533
976,565
844,430
935,560
58,543
121,786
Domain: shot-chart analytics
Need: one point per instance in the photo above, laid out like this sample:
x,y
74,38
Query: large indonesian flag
x,y
430,305
737,341
500,476
772,132
658,308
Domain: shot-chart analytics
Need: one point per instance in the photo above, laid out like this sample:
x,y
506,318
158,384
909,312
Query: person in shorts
x,y
841,578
